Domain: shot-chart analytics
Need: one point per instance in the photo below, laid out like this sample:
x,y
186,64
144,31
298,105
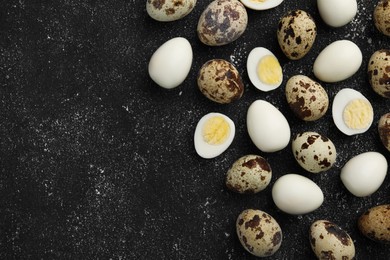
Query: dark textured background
x,y
97,161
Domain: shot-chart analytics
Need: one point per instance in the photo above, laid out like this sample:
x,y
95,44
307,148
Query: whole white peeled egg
x,y
213,135
352,112
267,126
261,4
264,69
171,62
338,61
337,13
296,194
364,174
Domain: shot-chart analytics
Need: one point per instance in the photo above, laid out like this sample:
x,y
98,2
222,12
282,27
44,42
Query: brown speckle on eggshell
x,y
258,232
249,174
375,223
296,34
220,81
306,98
222,22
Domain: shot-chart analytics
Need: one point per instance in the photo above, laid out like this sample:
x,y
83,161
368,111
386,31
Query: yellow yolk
x,y
216,130
269,70
258,1
358,114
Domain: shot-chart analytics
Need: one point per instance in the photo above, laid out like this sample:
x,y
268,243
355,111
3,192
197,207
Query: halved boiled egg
x,y
264,69
213,135
261,4
352,112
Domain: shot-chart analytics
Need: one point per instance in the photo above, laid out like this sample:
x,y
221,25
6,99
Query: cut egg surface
x,y
261,4
264,69
213,135
352,112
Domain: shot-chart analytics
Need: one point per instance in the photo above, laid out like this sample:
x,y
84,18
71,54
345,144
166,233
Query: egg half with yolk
x,y
264,69
352,112
261,4
213,135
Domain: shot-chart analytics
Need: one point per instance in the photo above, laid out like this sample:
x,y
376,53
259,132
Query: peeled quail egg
x,y
213,135
264,70
352,112
261,4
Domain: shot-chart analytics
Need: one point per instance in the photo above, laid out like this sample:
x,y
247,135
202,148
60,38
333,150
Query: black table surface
x,y
98,162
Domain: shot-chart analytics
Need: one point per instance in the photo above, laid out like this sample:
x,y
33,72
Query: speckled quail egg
x,y
258,232
329,241
213,135
263,69
296,33
261,4
220,81
249,174
169,10
314,152
375,223
379,72
306,98
384,130
382,16
222,22
352,112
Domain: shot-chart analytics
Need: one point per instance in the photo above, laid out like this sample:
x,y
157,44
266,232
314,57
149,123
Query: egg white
x,y
255,5
254,58
208,151
342,98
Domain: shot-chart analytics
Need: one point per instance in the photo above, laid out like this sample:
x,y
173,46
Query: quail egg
x,y
213,135
314,152
249,174
258,232
263,69
329,241
352,112
375,223
261,4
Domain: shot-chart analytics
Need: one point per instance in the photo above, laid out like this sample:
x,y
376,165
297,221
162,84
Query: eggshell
x,y
338,61
375,223
267,127
296,34
314,152
296,194
384,130
258,232
337,13
364,174
329,241
169,10
249,174
171,62
222,22
220,81
382,17
379,72
306,98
